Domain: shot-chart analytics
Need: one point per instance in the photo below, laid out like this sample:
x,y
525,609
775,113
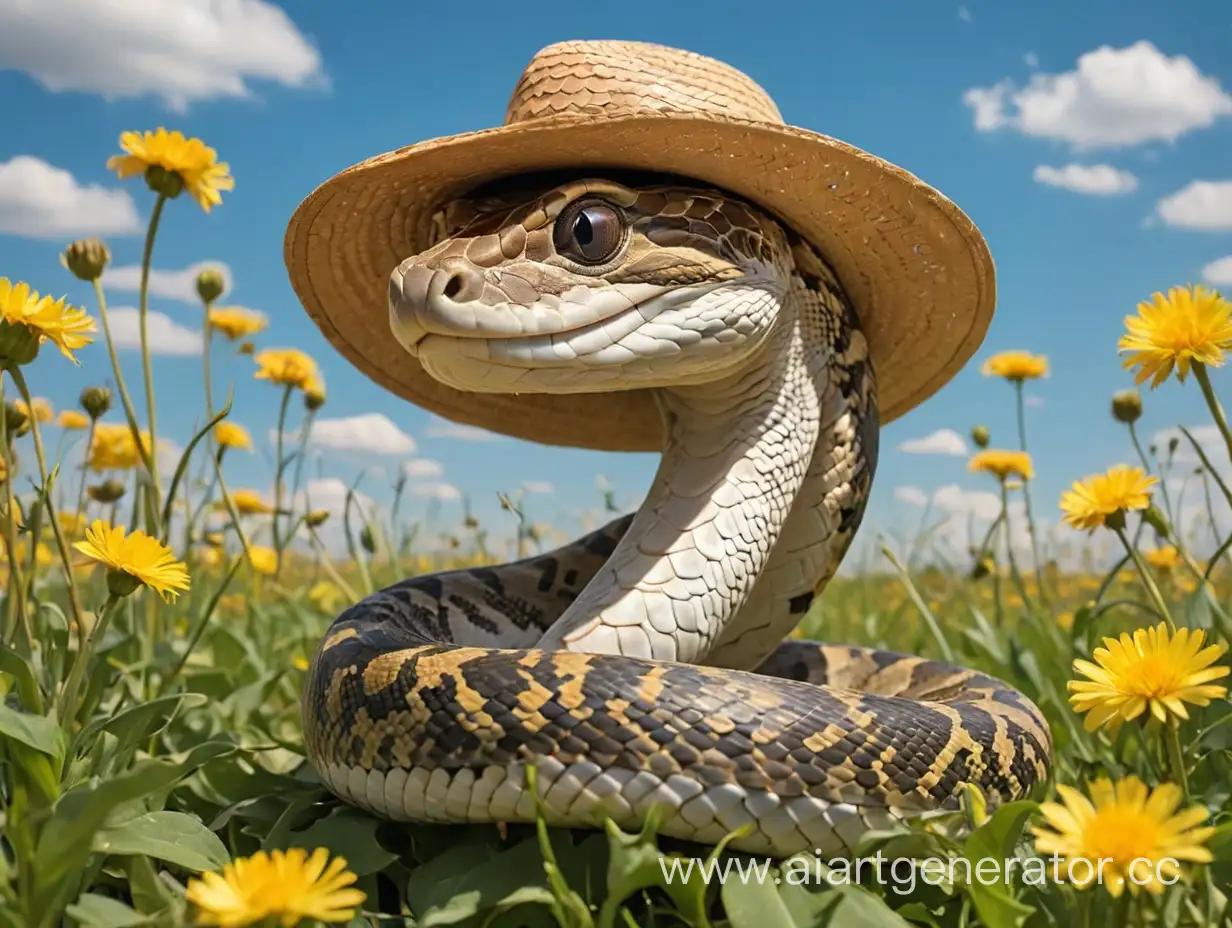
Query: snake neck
x,y
739,460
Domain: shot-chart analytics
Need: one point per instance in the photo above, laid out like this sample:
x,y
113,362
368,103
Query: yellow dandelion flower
x,y
210,557
134,560
1150,671
230,435
235,322
70,522
1190,324
1016,366
263,560
43,319
287,885
72,419
287,367
113,448
190,159
325,596
1163,558
314,393
250,503
43,411
300,662
1099,498
1137,833
1002,464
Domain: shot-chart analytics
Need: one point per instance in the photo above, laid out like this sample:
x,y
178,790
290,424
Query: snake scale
x,y
648,663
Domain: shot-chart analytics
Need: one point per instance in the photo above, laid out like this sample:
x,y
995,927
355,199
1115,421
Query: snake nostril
x,y
454,285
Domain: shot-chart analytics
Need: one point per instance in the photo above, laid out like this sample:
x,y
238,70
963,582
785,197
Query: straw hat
x,y
916,269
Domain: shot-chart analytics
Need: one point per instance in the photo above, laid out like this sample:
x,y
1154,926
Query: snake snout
x,y
424,300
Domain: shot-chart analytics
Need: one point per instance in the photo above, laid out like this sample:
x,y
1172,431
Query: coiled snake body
x,y
645,664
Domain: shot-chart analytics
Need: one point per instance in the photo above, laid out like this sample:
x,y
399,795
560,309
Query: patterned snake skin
x,y
645,663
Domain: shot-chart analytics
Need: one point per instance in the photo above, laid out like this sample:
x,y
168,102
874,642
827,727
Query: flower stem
x,y
1208,392
1026,493
1149,581
1176,758
66,708
81,486
65,558
14,601
146,368
947,653
126,401
279,468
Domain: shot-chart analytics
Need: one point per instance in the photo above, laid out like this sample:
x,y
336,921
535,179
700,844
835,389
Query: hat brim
x,y
916,269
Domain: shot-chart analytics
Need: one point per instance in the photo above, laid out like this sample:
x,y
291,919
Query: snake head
x,y
589,286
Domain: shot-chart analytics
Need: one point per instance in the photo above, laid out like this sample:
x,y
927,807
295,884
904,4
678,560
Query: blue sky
x,y
1089,143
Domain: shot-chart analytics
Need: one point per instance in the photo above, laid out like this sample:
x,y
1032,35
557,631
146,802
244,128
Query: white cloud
x,y
443,428
370,433
438,491
1202,204
1095,179
422,469
912,496
1219,272
942,441
538,486
172,285
1031,59
1037,402
45,202
964,14
959,502
179,50
165,334
1114,97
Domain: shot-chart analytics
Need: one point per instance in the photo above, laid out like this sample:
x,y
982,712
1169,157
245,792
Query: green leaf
x,y
757,904
149,893
35,731
348,833
142,721
171,836
996,840
429,885
66,841
95,911
19,669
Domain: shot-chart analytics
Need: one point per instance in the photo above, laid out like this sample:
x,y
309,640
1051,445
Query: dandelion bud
x,y
86,259
163,182
95,401
16,421
1155,518
471,522
109,491
210,285
1173,444
1127,406
317,517
18,344
979,435
248,348
367,540
121,583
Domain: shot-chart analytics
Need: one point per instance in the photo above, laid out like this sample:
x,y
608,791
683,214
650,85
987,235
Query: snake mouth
x,y
548,324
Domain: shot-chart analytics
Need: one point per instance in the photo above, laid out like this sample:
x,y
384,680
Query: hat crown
x,y
604,78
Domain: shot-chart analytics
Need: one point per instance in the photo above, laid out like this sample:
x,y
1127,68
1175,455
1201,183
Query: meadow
x,y
157,623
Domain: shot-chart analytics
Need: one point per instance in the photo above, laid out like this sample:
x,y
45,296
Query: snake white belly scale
x,y
645,664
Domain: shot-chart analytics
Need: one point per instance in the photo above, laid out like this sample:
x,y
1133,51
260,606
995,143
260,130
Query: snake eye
x,y
589,232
